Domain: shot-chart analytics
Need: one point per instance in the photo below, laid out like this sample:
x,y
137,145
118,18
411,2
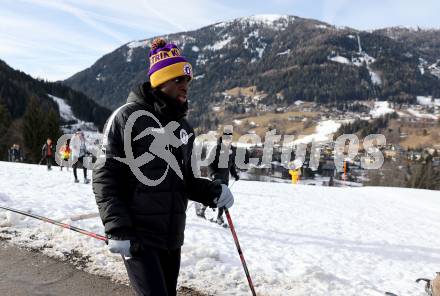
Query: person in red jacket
x,y
48,153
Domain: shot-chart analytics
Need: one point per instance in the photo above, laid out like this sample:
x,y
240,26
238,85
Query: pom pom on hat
x,y
166,63
158,43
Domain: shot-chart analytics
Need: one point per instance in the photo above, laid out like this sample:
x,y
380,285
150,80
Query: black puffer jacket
x,y
219,172
153,214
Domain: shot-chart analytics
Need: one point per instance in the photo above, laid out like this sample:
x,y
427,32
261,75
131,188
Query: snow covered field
x,y
297,240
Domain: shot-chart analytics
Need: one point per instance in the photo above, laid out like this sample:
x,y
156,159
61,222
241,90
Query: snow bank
x,y
297,240
380,109
67,115
219,44
323,132
418,114
65,110
340,59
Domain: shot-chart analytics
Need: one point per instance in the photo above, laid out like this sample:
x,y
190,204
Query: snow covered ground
x,y
297,240
323,132
380,109
67,115
418,114
91,134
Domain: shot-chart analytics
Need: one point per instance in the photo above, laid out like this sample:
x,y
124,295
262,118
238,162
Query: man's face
x,y
177,88
227,139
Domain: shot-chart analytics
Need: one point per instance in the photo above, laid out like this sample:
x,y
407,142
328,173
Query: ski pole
x,y
240,253
64,225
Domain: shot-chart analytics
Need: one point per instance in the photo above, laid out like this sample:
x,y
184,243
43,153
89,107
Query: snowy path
x,y
303,240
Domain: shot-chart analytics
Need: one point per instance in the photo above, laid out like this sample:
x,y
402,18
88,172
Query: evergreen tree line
x,y
424,174
28,116
32,130
365,127
82,107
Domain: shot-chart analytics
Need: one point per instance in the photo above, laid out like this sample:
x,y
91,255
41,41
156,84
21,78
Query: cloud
x,y
82,31
33,46
43,36
376,14
83,15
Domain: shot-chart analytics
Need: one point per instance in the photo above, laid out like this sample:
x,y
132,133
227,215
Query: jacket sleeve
x,y
43,151
233,170
233,167
202,190
110,181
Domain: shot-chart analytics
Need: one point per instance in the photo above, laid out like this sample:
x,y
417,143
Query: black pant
x,y
49,162
220,213
79,163
154,272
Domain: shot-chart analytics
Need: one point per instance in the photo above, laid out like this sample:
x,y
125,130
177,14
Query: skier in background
x,y
79,151
48,152
224,151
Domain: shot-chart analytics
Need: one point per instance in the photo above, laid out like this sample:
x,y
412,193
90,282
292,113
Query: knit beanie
x,y
166,63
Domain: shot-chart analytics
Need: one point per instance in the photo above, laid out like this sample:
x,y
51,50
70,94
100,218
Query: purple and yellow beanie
x,y
166,63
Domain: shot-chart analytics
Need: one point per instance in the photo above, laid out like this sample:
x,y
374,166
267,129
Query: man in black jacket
x,y
143,178
219,169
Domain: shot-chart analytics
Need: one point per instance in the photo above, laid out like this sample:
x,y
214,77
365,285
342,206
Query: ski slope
x,y
297,240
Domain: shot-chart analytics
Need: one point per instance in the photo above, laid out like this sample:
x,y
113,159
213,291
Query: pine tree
x,y
52,124
5,122
34,129
425,176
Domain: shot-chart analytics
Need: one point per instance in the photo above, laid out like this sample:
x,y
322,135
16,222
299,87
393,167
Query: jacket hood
x,y
158,102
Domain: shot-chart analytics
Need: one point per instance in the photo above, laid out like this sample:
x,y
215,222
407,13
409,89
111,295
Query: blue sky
x,y
54,39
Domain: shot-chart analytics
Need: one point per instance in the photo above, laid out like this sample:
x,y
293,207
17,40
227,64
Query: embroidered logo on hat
x,y
187,70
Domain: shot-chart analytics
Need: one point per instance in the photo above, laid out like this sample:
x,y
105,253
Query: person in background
x,y
78,152
224,151
10,153
15,153
18,153
47,153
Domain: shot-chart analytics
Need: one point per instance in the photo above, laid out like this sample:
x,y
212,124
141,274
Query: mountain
x,y
30,111
16,88
426,40
272,60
